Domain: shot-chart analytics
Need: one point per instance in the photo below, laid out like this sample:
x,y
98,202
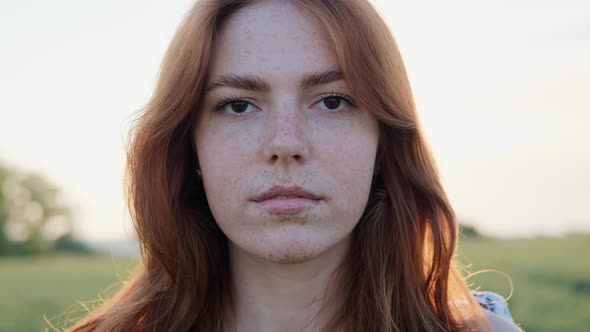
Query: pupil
x,y
239,106
332,102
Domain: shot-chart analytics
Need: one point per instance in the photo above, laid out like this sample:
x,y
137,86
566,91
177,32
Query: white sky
x,y
502,89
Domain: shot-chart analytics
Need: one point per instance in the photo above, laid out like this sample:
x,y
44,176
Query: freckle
x,y
248,51
277,68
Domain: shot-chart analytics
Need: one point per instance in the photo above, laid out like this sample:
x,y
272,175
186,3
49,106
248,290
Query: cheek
x,y
223,157
348,157
349,151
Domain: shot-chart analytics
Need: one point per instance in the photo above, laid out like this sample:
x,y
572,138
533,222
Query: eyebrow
x,y
255,83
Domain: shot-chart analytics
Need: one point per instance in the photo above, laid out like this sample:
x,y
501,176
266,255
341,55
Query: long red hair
x,y
400,274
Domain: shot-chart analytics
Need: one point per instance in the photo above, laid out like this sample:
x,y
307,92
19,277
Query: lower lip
x,y
288,205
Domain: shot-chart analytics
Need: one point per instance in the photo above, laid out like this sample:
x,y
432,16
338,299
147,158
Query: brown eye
x,y
234,106
332,102
239,106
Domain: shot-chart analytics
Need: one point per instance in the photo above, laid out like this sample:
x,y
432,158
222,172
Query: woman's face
x,y
277,114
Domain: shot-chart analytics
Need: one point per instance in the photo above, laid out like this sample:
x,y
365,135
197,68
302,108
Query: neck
x,y
272,296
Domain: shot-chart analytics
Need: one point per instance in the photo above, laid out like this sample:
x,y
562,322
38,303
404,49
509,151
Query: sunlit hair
x,y
400,274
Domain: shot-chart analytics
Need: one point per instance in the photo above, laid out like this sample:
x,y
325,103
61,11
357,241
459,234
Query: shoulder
x,y
496,309
501,324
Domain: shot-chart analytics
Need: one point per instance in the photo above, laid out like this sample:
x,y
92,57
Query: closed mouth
x,y
286,193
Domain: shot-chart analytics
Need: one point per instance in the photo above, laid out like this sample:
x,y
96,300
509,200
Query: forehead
x,y
270,38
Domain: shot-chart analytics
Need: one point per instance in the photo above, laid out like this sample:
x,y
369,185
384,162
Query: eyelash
x,y
342,96
228,100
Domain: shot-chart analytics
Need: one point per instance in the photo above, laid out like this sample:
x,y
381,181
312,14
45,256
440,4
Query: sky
x,y
501,87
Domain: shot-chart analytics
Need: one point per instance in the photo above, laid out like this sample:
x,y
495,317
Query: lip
x,y
297,200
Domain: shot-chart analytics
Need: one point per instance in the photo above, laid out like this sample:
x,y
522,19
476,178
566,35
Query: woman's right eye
x,y
233,105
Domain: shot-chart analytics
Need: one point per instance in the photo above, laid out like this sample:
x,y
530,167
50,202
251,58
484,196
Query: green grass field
x,y
551,279
32,287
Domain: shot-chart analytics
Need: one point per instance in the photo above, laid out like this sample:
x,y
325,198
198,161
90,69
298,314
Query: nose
x,y
286,139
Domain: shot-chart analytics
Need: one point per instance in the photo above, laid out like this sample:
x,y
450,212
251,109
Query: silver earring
x,y
199,172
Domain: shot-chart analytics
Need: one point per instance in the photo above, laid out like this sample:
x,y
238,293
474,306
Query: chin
x,y
278,248
296,249
290,244
290,256
288,251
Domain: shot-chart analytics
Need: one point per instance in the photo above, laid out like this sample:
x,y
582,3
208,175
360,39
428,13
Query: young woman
x,y
279,181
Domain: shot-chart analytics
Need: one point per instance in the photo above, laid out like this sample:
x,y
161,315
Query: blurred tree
x,y
68,243
32,213
469,231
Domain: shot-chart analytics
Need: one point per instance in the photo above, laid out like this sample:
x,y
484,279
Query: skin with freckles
x,y
278,113
280,126
286,136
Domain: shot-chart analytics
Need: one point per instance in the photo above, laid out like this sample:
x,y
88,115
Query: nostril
x,y
296,157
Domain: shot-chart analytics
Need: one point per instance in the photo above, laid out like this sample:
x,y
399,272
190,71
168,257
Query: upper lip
x,y
295,191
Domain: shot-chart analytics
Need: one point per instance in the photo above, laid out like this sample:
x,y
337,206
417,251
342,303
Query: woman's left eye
x,y
335,102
